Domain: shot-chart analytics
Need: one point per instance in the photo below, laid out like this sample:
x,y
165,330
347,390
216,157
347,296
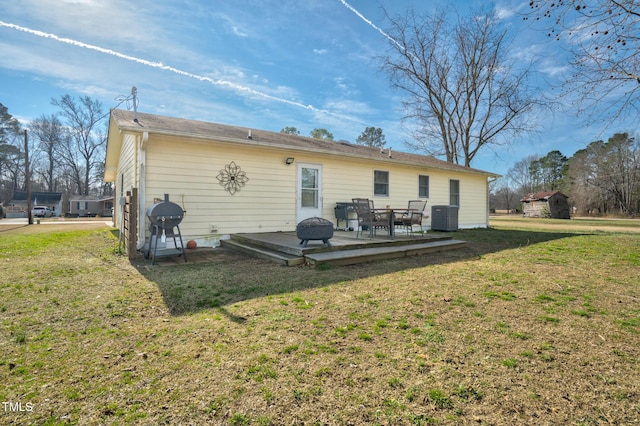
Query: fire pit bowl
x,y
314,228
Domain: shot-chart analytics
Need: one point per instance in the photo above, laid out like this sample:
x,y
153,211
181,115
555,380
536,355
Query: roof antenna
x,y
134,94
133,98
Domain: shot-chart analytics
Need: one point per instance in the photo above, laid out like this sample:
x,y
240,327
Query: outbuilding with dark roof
x,y
551,204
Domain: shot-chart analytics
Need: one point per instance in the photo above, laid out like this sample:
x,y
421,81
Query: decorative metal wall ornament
x,y
232,178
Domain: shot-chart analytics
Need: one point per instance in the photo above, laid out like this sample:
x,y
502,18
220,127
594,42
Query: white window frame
x,y
420,195
454,196
376,183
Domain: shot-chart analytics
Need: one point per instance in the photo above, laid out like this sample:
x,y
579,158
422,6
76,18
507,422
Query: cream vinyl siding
x,y
126,174
344,180
473,211
187,172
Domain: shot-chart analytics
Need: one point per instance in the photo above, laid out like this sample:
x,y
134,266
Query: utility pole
x,y
27,177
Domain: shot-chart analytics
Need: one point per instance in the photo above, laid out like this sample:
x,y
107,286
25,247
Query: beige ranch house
x,y
239,180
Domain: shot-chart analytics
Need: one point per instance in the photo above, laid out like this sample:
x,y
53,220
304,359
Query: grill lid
x,y
165,214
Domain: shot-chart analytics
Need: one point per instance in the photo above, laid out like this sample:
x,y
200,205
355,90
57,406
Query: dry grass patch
x,y
523,326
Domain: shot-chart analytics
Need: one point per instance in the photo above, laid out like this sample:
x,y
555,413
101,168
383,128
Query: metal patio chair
x,y
369,217
413,216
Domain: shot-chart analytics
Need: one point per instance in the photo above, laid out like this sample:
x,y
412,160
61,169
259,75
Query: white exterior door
x,y
309,191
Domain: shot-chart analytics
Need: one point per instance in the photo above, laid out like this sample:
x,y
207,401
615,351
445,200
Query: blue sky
x,y
262,64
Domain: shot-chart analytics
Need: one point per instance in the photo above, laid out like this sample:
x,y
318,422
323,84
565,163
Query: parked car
x,y
41,211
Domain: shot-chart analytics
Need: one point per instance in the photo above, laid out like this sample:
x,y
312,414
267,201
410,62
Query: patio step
x,y
343,255
284,242
350,257
261,252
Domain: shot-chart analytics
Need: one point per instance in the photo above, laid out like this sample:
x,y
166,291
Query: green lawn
x,y
535,322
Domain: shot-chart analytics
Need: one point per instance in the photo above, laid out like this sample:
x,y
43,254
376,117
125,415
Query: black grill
x,y
165,214
164,220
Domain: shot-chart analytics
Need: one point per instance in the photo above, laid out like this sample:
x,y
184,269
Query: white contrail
x,y
162,66
371,24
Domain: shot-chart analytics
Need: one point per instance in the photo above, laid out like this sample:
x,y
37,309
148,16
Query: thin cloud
x,y
503,13
160,65
237,31
235,28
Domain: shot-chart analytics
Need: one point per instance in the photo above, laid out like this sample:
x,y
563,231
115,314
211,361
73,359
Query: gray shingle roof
x,y
221,132
41,197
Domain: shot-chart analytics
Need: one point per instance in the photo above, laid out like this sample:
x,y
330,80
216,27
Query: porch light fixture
x,y
289,161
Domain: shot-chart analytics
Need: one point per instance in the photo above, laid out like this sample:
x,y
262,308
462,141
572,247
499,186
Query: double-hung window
x,y
423,186
454,192
381,183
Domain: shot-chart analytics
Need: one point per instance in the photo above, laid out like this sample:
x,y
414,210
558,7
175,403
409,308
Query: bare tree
x,y
462,90
581,174
506,198
603,37
521,175
619,172
85,146
51,135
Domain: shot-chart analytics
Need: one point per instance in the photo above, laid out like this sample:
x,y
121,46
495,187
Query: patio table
x,y
391,212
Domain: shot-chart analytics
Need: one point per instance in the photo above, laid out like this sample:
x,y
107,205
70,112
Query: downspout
x,y
141,179
489,182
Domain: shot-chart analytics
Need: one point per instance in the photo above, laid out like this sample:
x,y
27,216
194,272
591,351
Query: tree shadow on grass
x,y
7,228
228,277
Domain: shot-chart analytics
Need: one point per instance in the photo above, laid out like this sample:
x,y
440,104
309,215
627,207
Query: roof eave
x,y
126,126
114,144
254,142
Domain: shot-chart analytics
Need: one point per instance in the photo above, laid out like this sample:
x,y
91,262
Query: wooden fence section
x,y
130,222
